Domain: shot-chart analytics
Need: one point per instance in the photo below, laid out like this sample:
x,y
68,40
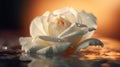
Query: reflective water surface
x,y
109,56
72,61
56,61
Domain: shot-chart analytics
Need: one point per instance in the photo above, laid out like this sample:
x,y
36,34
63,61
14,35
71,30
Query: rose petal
x,y
56,27
68,13
52,39
60,48
54,49
89,42
38,41
45,51
36,27
74,37
67,31
45,20
76,33
90,21
27,44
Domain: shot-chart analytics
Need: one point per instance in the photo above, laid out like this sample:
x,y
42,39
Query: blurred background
x,y
16,15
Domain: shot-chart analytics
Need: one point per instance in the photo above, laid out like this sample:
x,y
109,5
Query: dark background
x,y
17,15
10,11
10,22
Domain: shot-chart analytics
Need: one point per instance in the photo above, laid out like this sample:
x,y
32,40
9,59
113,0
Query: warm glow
x,y
106,11
108,17
111,50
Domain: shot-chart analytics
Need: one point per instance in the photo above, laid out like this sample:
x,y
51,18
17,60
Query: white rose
x,y
55,32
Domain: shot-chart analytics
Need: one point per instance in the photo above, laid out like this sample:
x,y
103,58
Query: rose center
x,y
60,22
